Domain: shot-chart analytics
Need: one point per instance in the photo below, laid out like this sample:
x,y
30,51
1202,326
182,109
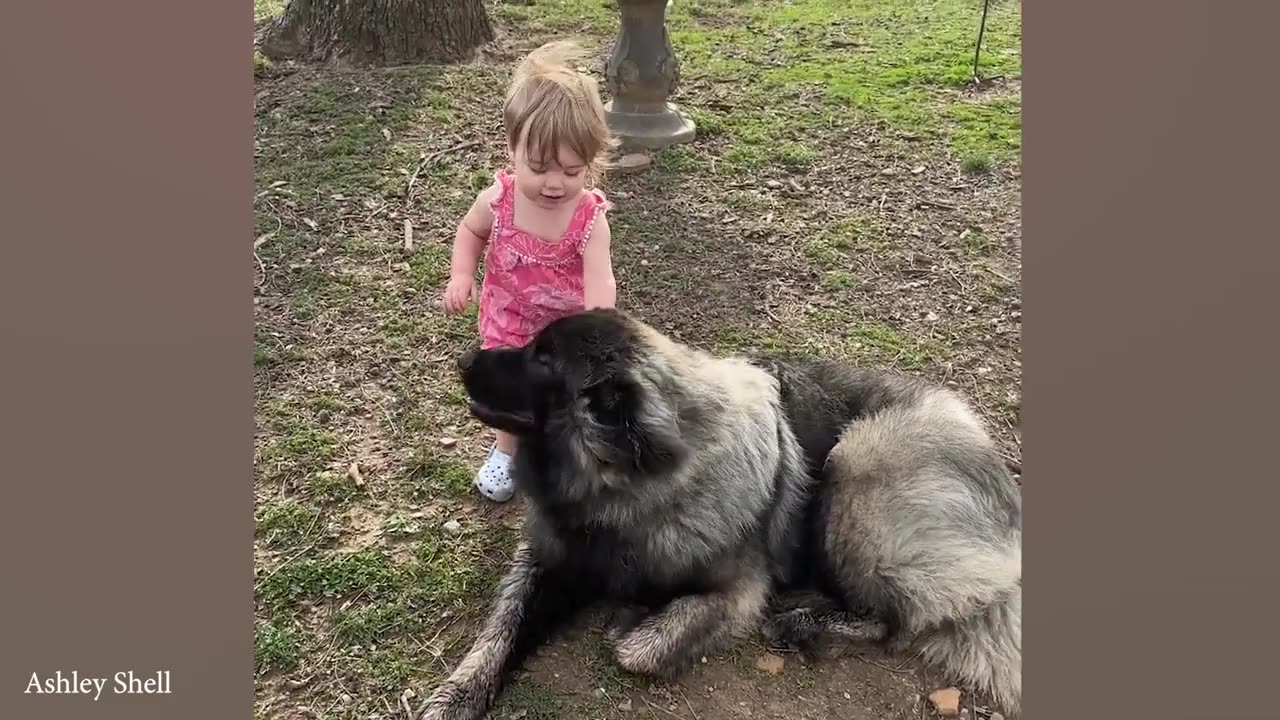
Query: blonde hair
x,y
552,105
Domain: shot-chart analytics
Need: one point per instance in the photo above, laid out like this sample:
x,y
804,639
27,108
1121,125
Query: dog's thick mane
x,y
691,417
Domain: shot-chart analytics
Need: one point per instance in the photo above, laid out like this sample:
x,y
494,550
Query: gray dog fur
x,y
701,496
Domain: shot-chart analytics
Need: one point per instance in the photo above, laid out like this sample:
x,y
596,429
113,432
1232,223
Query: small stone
x,y
625,705
632,162
354,473
346,699
599,692
704,659
946,701
773,184
997,716
770,663
448,442
644,263
984,370
917,170
453,527
932,316
888,171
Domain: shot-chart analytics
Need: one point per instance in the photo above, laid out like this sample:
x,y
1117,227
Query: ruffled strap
x,y
599,205
503,180
499,203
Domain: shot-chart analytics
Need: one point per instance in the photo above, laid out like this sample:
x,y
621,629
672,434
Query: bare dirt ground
x,y
850,193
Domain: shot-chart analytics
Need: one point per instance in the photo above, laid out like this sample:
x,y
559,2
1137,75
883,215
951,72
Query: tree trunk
x,y
378,32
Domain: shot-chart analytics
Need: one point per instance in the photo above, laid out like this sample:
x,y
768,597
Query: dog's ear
x,y
653,431
656,449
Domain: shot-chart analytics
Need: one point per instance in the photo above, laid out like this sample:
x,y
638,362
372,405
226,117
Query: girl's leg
x,y
494,478
506,442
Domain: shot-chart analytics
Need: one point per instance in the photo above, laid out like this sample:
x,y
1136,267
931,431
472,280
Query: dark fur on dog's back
x,y
686,490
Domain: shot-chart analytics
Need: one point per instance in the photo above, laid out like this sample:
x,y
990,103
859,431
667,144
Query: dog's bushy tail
x,y
983,651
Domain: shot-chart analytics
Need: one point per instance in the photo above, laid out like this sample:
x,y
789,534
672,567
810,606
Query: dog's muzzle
x,y
467,360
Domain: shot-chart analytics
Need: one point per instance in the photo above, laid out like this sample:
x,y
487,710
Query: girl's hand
x,y
460,292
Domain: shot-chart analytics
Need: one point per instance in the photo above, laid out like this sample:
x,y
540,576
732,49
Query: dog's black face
x,y
580,357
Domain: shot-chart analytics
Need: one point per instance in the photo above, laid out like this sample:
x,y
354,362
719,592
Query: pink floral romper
x,y
529,282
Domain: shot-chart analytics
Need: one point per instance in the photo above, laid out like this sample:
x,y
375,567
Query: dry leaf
x,y
946,701
770,663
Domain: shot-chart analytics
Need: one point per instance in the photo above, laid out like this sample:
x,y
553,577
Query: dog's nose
x,y
467,360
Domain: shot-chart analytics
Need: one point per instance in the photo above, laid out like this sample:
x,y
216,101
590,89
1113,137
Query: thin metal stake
x,y
981,30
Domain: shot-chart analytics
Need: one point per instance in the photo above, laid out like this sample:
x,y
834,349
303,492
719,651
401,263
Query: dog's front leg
x,y
530,606
666,643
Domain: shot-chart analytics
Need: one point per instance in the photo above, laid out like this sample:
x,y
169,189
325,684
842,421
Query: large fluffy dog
x,y
688,491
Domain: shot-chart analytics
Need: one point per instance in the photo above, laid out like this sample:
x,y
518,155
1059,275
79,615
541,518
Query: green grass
x,y
287,523
834,244
275,648
898,62
267,9
429,476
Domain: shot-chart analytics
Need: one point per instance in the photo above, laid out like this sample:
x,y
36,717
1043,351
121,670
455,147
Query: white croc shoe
x,y
494,478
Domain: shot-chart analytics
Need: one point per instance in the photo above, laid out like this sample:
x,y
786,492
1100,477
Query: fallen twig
x,y
999,274
1012,464
936,203
689,705
661,709
257,585
901,669
426,158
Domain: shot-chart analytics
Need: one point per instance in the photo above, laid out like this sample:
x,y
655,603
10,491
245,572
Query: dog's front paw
x,y
792,630
448,702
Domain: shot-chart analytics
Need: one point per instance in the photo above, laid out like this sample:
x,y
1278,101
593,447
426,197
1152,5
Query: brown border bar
x,y
126,317
1150,349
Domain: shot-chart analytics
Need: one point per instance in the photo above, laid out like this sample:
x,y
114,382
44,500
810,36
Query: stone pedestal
x,y
641,74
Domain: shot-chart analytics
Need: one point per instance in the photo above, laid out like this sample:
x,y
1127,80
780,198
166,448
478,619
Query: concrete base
x,y
649,128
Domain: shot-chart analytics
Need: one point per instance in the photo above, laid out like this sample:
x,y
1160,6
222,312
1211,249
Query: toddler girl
x,y
546,235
